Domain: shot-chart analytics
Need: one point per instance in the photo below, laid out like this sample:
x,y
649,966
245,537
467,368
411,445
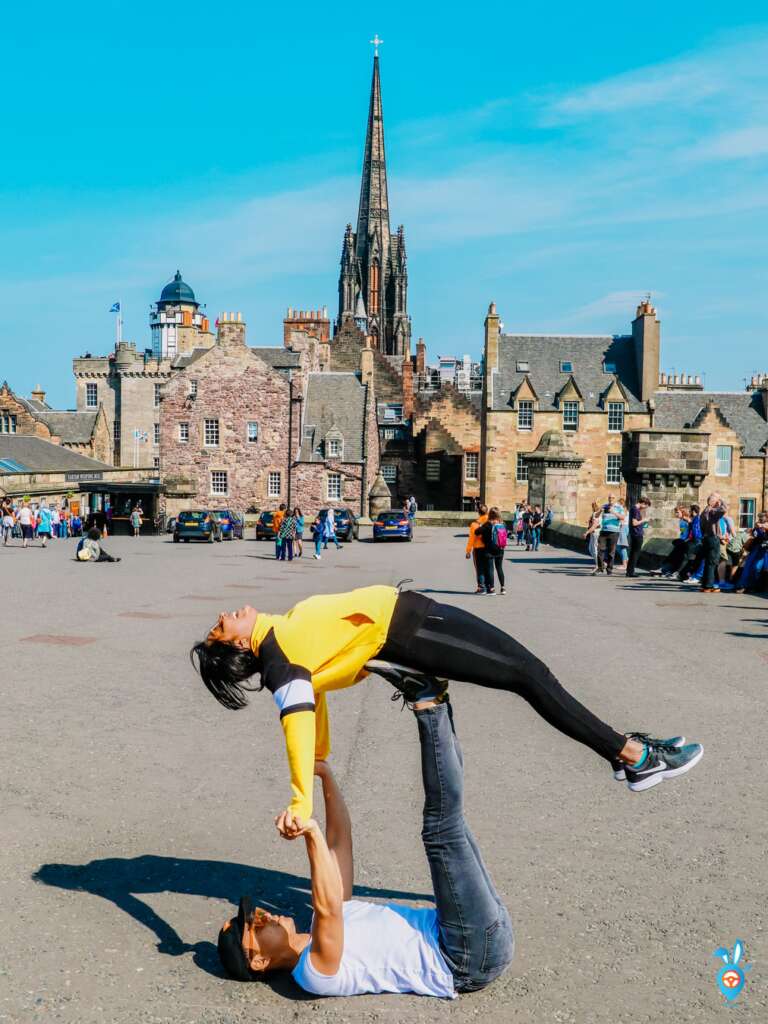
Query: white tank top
x,y
387,948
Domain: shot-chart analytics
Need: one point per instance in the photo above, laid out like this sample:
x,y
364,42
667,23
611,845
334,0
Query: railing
x,y
426,383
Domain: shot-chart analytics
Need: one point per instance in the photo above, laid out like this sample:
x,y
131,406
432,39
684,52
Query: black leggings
x,y
448,642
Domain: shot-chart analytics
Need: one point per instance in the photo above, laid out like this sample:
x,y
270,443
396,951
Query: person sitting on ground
x,y
357,947
89,548
751,574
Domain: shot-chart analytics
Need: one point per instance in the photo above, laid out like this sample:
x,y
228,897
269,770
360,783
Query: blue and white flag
x,y
115,307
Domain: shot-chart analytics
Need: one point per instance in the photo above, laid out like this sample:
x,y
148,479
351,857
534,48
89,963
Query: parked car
x,y
197,525
346,523
392,525
264,529
230,522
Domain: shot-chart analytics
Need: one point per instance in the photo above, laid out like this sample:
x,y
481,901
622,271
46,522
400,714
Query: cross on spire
x,y
376,43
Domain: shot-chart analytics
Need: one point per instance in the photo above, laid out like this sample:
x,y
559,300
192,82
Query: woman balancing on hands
x,y
330,642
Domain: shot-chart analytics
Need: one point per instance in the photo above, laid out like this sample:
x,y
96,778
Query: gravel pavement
x,y
135,809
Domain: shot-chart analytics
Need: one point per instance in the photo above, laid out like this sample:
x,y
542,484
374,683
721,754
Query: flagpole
x,y
120,323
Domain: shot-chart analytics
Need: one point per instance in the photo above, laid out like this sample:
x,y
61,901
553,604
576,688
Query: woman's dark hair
x,y
297,511
695,509
94,533
224,669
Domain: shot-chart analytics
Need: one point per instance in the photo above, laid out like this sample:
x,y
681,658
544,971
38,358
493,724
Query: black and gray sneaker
x,y
643,737
663,763
412,685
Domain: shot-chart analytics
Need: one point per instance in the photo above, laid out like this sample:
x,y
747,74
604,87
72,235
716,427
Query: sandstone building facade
x,y
603,393
84,432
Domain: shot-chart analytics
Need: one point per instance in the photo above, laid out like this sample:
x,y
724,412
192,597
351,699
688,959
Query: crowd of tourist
x,y
28,521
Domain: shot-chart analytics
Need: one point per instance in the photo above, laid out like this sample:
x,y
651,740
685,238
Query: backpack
x,y
499,535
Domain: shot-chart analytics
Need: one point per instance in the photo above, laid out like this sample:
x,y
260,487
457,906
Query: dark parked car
x,y
264,529
230,522
199,525
392,525
346,523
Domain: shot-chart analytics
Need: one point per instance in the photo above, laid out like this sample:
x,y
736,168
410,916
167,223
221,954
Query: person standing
x,y
55,520
277,519
298,516
612,516
317,535
638,524
413,508
537,524
693,545
709,521
6,515
494,536
25,522
474,549
287,535
519,526
135,521
329,530
44,523
593,530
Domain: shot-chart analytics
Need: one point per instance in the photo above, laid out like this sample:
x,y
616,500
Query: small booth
x,y
111,503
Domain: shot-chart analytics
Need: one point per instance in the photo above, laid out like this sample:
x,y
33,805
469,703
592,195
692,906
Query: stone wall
x,y
592,441
234,387
668,467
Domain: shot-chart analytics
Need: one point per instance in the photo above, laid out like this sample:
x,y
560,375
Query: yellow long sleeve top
x,y
320,645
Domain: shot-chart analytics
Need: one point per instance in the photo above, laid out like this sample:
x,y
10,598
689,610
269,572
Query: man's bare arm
x,y
327,897
338,827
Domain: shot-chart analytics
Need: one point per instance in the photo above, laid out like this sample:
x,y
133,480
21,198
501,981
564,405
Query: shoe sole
x,y
673,773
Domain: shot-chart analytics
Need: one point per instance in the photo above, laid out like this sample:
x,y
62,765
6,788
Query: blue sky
x,y
559,159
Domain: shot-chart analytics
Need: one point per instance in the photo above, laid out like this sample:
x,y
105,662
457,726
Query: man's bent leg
x,y
475,930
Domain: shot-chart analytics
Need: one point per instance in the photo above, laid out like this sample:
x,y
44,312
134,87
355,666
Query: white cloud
x,y
742,143
621,303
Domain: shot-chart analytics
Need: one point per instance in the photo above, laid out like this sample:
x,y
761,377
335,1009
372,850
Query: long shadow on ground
x,y
121,880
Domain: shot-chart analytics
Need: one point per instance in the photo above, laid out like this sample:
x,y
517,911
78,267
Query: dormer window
x,y
609,367
334,447
522,366
566,366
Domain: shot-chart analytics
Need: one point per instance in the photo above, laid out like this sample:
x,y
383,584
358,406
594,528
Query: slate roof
x,y
71,427
333,400
278,357
742,410
187,358
35,455
544,353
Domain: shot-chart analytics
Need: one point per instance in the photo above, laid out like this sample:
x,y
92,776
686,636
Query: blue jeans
x,y
535,537
286,546
475,931
318,542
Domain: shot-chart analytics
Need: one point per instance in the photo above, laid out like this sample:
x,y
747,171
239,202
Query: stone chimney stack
x,y
38,394
407,386
231,330
492,331
312,322
366,363
421,357
646,331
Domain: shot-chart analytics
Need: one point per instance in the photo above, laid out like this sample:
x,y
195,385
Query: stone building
x,y
589,387
127,382
254,427
604,393
84,432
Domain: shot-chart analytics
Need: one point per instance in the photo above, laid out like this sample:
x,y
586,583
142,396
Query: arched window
x,y
373,289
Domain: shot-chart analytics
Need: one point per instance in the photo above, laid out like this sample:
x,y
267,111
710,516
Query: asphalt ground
x,y
135,810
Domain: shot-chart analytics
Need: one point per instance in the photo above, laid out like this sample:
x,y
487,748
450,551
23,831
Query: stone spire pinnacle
x,y
373,211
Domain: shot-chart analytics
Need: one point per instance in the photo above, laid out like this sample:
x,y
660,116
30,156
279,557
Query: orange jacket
x,y
475,541
277,518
